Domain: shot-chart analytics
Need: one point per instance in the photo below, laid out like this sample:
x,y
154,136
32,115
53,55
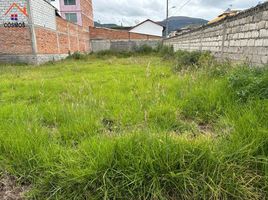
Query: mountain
x,y
175,23
97,24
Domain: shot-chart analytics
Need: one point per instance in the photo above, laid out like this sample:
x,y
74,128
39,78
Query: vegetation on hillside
x,y
162,125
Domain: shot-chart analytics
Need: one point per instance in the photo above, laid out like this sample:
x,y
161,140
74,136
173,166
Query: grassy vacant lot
x,y
139,127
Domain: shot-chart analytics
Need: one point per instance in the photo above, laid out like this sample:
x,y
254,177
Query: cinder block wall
x,y
43,14
122,45
119,40
242,38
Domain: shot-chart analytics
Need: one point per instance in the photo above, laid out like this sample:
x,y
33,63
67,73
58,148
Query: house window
x,y
69,2
72,17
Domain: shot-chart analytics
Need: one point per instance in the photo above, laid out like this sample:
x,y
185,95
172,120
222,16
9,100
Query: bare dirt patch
x,y
10,190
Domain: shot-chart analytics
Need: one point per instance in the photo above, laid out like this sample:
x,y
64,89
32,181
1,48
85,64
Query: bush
x,y
138,50
77,56
167,52
109,53
200,60
186,60
207,60
247,83
219,69
144,49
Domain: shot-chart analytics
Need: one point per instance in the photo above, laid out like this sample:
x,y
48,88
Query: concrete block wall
x,y
100,45
132,44
43,14
119,40
242,38
121,45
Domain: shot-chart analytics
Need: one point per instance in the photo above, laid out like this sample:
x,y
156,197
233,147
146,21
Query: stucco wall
x,y
242,38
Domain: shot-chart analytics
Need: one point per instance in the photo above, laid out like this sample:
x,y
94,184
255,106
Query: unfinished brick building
x,y
32,31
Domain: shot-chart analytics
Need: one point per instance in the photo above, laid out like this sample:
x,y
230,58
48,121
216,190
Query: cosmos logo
x,y
14,17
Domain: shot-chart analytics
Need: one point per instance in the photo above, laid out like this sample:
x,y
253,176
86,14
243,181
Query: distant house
x,y
148,27
227,13
185,29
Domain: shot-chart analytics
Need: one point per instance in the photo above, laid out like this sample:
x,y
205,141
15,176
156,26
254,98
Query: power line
x,y
185,4
167,12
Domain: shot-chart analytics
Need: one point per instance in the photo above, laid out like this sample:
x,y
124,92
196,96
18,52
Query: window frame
x,y
69,2
69,18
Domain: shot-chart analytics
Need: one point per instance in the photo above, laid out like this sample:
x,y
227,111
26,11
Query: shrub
x,y
206,59
165,51
144,49
186,60
109,53
77,56
247,83
218,69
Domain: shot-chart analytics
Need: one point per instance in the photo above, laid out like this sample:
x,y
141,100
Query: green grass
x,y
131,128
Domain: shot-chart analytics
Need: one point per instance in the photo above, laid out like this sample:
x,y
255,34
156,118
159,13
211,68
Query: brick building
x,y
35,31
31,31
76,11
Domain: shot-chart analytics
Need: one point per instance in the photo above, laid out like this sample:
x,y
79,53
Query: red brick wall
x,y
69,37
111,34
87,13
46,41
15,41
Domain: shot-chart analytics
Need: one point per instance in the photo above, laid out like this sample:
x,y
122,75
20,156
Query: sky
x,y
131,12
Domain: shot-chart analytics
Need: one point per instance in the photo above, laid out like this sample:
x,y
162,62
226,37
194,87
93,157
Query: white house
x,y
148,27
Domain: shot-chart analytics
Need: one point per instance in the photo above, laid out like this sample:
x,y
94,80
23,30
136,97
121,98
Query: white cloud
x,y
129,12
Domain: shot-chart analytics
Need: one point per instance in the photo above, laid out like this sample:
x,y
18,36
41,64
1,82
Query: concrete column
x,y
69,39
77,29
31,27
201,40
224,36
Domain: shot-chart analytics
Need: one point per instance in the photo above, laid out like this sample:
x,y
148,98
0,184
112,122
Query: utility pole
x,y
167,19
